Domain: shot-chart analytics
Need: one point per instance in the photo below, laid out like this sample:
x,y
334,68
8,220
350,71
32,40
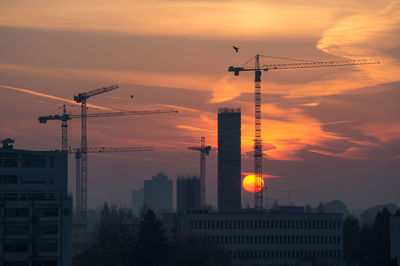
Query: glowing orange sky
x,y
176,53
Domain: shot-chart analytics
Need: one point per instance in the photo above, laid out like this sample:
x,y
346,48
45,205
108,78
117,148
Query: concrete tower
x,y
229,160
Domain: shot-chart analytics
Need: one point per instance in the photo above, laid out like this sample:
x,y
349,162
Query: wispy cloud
x,y
48,96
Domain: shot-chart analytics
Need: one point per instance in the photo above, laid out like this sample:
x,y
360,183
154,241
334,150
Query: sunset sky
x,y
329,133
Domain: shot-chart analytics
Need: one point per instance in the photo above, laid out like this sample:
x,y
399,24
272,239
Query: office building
x,y
137,200
158,193
229,160
35,208
266,238
188,194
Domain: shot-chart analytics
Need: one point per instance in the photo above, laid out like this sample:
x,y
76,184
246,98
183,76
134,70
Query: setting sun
x,y
249,184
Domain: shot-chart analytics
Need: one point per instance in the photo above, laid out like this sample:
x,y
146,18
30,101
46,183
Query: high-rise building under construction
x,y
229,160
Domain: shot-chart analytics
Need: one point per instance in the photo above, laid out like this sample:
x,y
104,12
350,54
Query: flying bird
x,y
132,96
236,48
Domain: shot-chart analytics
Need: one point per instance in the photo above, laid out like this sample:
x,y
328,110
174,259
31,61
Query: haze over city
x,y
329,133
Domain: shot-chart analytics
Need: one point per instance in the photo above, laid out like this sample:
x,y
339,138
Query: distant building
x,y
229,160
188,194
35,208
137,200
268,238
158,193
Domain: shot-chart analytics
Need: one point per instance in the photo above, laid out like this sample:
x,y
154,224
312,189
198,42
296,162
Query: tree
x,y
351,239
113,243
375,241
381,238
151,246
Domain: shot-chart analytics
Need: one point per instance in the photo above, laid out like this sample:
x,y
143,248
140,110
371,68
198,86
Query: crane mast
x,y
204,151
258,196
64,131
82,98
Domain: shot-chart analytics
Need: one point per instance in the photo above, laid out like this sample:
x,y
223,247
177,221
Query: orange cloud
x,y
221,19
191,128
263,176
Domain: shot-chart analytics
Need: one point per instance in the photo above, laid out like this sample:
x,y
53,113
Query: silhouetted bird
x,y
236,48
132,96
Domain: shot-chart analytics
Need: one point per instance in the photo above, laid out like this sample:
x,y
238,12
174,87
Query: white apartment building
x,y
286,237
35,209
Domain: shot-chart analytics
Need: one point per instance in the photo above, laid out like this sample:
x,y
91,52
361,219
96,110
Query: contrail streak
x,y
52,97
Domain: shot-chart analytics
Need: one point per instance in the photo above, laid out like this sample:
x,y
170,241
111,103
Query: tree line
x,y
121,239
368,245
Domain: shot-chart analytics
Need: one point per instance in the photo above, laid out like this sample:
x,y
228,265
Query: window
x,y
51,229
16,247
46,263
16,212
33,161
8,179
39,196
48,247
10,196
16,229
8,160
16,263
47,212
33,179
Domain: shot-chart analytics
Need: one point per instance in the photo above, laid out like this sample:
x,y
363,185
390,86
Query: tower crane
x,y
82,99
257,69
77,152
64,117
204,151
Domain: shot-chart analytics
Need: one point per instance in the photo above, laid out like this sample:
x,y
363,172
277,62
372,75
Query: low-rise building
x,y
266,238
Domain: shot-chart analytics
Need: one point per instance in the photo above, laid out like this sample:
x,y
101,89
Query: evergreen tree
x,y
115,236
151,246
380,254
351,239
